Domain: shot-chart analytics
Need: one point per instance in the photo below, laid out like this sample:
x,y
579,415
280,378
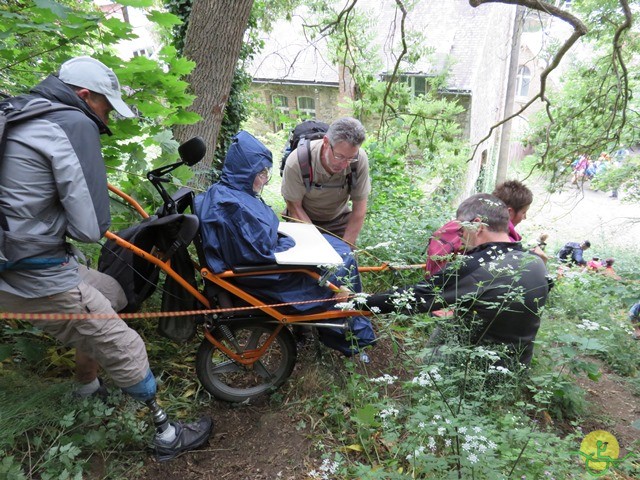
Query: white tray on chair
x,y
311,247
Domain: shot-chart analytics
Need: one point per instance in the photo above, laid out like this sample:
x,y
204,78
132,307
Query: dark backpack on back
x,y
565,253
310,130
300,139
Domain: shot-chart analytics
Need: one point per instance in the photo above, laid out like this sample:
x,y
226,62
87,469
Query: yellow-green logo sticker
x,y
600,451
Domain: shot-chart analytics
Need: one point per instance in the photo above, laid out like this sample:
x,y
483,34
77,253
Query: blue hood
x,y
246,157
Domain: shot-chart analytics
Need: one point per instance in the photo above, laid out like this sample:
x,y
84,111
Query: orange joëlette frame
x,y
248,357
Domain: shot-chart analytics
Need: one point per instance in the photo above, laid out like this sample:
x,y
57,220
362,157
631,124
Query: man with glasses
x,y
339,175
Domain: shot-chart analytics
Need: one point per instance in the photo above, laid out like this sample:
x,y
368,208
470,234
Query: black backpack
x,y
566,253
300,138
139,277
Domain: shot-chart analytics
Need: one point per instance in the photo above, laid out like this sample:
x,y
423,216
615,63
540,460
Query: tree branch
x,y
396,67
579,29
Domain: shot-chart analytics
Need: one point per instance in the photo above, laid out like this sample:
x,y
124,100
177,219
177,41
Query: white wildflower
x,y
360,298
499,369
432,444
379,245
589,325
416,453
473,458
386,378
329,466
350,305
327,470
435,374
389,412
442,431
426,379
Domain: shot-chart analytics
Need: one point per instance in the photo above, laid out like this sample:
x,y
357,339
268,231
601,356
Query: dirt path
x,y
576,214
270,439
613,407
257,442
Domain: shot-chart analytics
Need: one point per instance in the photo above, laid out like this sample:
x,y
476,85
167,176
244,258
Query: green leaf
x,y
54,7
182,66
119,28
595,376
185,118
164,19
367,415
5,352
136,3
30,349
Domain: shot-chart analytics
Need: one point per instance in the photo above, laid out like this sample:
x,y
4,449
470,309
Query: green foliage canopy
x,y
593,109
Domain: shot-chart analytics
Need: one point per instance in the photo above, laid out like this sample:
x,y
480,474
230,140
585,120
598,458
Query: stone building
x,y
296,75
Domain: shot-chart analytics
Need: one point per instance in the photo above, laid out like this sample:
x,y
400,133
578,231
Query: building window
x,y
280,102
306,107
281,105
523,80
143,52
417,84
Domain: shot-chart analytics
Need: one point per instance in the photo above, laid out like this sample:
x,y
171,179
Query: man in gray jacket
x,y
53,186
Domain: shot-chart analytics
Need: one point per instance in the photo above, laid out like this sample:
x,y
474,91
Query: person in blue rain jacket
x,y
240,229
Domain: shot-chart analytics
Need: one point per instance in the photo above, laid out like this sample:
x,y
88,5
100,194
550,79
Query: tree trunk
x,y
505,137
213,40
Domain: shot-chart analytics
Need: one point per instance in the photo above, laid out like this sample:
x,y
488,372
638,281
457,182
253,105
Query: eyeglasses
x,y
342,158
265,174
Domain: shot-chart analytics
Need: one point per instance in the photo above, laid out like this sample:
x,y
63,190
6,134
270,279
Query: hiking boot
x,y
189,436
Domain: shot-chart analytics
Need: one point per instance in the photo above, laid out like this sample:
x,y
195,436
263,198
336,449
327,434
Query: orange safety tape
x,y
185,313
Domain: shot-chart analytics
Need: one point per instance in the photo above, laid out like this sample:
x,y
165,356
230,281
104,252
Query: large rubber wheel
x,y
233,382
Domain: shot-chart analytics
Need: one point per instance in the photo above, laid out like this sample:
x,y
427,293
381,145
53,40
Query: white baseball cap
x,y
89,73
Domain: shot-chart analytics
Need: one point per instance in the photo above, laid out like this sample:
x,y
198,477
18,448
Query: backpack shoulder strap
x,y
304,159
352,177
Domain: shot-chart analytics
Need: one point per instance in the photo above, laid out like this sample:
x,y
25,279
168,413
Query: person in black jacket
x,y
496,289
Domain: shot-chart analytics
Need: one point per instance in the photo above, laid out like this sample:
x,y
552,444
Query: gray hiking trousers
x,y
110,342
